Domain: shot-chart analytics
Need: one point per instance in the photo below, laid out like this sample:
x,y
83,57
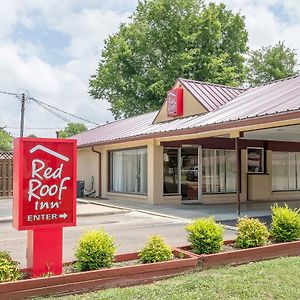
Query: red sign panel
x,y
44,183
175,102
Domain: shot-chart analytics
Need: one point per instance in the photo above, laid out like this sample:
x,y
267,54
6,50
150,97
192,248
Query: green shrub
x,y
205,235
9,269
251,233
95,250
155,250
285,226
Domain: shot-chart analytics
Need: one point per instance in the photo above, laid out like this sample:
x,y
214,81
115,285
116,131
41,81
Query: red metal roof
x,y
210,95
117,130
271,99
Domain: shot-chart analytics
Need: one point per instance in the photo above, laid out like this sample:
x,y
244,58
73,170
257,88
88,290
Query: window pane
x,y
218,171
170,171
230,171
292,171
208,171
280,171
129,171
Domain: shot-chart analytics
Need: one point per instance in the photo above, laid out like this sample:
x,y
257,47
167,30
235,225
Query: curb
x,y
103,204
228,227
134,209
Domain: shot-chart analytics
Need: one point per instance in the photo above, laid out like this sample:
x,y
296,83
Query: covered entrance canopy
x,y
270,155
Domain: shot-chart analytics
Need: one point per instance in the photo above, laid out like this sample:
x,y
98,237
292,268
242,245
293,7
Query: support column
x,y
155,173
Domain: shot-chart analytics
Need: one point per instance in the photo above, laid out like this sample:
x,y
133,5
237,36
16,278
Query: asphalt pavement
x,y
129,226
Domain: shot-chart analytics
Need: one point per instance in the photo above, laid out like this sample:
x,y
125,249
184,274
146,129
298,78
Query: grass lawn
x,y
273,279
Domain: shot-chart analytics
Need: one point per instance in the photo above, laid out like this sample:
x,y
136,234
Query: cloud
x,y
62,85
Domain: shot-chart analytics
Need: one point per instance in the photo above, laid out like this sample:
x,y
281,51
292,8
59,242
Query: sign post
x,y
44,198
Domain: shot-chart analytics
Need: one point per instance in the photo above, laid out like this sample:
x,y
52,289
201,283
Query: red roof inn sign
x,y
44,187
175,102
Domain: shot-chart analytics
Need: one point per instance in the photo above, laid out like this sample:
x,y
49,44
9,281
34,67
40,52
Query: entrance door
x,y
190,176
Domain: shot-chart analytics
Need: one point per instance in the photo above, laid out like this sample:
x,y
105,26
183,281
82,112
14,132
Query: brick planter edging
x,y
99,279
242,256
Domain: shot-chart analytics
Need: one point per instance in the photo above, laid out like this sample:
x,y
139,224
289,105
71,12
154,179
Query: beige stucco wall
x,y
260,185
87,166
191,106
128,197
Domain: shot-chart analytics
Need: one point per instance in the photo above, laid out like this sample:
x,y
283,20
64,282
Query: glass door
x,y
190,176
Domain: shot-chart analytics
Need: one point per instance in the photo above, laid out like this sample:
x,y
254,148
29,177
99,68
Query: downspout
x,y
99,165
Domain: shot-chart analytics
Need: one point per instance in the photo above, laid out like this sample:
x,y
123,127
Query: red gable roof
x,y
210,95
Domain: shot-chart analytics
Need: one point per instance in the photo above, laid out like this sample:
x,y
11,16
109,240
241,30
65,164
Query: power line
x,y
62,111
50,108
8,93
53,112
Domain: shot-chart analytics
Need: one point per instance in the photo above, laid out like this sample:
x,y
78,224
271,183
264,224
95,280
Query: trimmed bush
x,y
251,233
205,235
285,226
155,250
9,269
95,250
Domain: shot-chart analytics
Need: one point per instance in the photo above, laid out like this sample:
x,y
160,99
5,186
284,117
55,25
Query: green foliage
x,y
5,140
72,129
271,63
155,250
163,41
285,226
32,135
205,235
251,233
9,269
95,250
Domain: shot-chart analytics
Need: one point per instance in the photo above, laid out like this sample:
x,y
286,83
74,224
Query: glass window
x,y
128,171
218,171
255,158
171,179
285,171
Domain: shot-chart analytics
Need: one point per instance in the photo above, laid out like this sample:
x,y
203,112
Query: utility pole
x,y
22,115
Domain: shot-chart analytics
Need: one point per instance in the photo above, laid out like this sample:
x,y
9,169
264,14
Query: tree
x,y
166,40
271,63
5,140
72,129
32,135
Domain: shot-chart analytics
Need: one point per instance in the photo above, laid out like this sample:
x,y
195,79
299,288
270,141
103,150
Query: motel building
x,y
208,143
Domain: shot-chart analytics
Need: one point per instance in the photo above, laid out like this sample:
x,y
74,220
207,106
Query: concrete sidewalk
x,y
84,209
221,212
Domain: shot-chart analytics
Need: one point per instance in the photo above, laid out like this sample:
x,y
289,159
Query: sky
x,y
49,49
